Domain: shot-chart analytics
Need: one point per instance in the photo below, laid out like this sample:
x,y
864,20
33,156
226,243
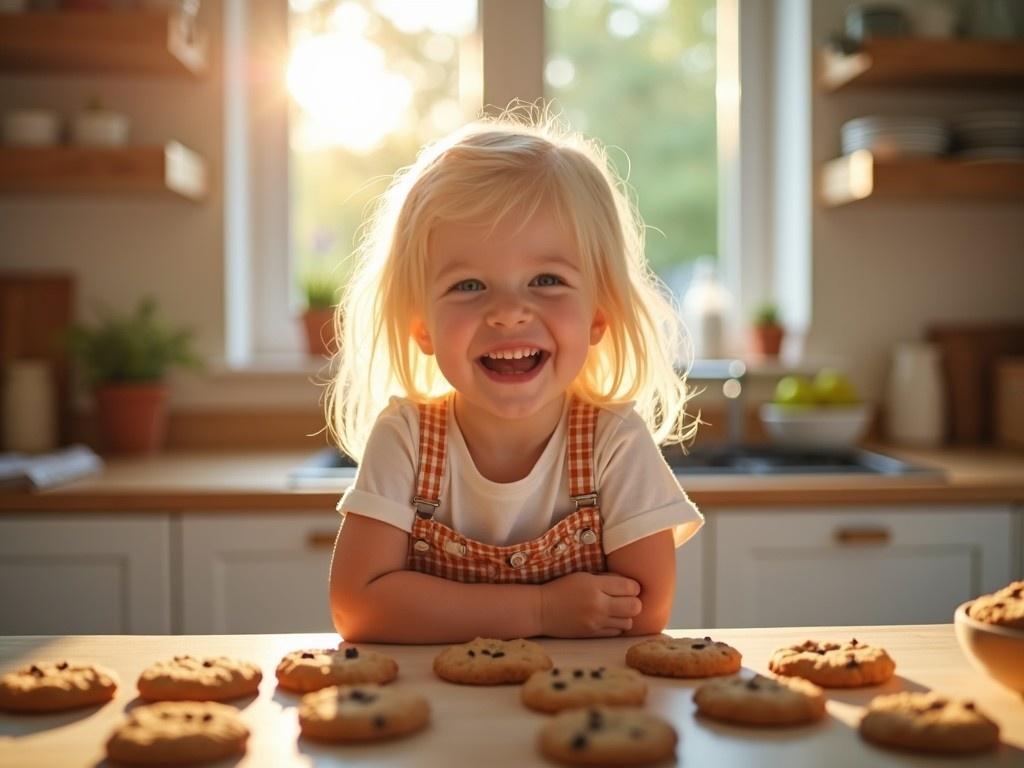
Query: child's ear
x,y
598,327
418,329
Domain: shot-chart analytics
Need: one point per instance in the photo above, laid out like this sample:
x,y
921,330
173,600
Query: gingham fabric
x,y
573,544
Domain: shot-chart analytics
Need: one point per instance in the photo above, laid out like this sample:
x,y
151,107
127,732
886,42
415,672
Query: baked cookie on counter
x,y
486,661
624,736
51,686
361,713
761,700
570,687
928,722
683,657
211,678
834,665
178,733
1004,608
312,669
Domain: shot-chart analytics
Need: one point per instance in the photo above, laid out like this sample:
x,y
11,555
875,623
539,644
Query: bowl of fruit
x,y
823,412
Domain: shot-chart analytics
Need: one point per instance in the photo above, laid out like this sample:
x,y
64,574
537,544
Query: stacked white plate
x,y
895,136
991,133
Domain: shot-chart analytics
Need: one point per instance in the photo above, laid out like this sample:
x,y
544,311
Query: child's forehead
x,y
540,232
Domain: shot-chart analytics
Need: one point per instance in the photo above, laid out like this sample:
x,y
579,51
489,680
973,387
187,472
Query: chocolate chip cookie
x,y
928,722
177,733
1004,607
361,713
683,657
761,700
50,686
212,678
607,736
485,661
834,665
568,687
313,669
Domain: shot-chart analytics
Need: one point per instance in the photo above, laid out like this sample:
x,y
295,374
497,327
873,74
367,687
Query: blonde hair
x,y
490,169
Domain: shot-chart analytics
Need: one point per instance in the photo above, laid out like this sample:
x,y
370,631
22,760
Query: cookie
x,y
485,661
607,736
311,670
564,688
928,722
361,713
49,686
213,678
683,657
178,732
761,700
834,665
1004,608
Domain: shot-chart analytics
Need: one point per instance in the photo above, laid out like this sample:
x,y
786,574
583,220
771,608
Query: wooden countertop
x,y
255,481
489,726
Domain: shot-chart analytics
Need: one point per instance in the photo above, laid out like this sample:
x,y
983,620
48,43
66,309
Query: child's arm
x,y
652,562
375,599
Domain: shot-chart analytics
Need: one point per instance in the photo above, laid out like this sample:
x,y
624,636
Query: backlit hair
x,y
490,169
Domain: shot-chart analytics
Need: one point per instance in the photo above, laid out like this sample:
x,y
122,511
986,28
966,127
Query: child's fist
x,y
589,605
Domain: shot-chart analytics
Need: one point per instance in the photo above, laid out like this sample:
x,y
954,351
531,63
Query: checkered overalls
x,y
573,544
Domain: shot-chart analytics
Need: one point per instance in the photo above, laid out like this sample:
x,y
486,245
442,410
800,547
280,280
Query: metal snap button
x,y
421,545
587,536
517,560
559,548
455,548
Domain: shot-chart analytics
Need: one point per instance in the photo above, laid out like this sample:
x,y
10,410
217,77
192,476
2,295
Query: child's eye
x,y
468,285
548,280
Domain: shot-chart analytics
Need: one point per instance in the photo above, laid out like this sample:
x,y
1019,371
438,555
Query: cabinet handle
x,y
321,539
863,535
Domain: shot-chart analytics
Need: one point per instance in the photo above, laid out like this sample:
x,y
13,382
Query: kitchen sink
x,y
329,467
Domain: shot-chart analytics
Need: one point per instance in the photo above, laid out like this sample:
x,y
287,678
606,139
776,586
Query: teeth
x,y
513,354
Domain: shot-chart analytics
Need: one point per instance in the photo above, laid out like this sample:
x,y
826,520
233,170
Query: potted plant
x,y
321,296
768,331
125,361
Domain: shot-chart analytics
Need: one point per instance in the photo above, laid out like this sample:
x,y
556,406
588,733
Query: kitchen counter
x,y
489,726
255,481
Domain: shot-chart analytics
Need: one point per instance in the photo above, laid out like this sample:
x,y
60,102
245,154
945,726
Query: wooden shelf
x,y
861,175
134,42
172,169
924,62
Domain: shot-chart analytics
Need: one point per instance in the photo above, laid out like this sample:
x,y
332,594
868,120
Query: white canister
x,y
29,407
31,128
99,128
916,397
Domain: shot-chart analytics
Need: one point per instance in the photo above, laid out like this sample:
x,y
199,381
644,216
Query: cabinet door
x,y
688,601
256,573
84,574
857,565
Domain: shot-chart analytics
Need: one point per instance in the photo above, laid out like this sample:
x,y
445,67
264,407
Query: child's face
x,y
516,287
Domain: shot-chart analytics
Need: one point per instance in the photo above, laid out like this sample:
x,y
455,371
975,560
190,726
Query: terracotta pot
x,y
768,339
132,417
319,324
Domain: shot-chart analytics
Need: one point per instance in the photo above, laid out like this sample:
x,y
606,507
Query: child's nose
x,y
508,310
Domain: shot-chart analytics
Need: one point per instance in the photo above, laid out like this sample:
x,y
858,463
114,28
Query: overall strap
x,y
580,453
433,443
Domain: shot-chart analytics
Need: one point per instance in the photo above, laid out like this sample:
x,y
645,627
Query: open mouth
x,y
514,366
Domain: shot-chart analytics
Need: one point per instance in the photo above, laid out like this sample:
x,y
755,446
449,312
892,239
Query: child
x,y
505,374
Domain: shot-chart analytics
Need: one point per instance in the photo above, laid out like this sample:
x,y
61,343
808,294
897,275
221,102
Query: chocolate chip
x,y
595,721
62,665
362,696
577,673
1016,592
471,652
752,685
207,663
351,653
207,717
485,652
188,715
379,721
556,671
1000,605
969,705
852,663
308,656
853,641
164,715
36,671
820,652
558,685
636,733
698,646
597,674
580,742
497,654
937,705
708,639
725,653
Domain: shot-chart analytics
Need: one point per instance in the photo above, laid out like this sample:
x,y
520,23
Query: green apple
x,y
794,390
832,387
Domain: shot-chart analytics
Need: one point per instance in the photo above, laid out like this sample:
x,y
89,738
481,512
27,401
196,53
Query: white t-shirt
x,y
637,493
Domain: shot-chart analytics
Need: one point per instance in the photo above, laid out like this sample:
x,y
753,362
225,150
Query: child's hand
x,y
588,605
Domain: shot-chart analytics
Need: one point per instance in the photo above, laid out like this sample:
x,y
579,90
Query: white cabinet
x,y
688,602
84,574
255,573
857,565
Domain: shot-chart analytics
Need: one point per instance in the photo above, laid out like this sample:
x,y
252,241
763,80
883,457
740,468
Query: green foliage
x,y
321,290
766,314
131,348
